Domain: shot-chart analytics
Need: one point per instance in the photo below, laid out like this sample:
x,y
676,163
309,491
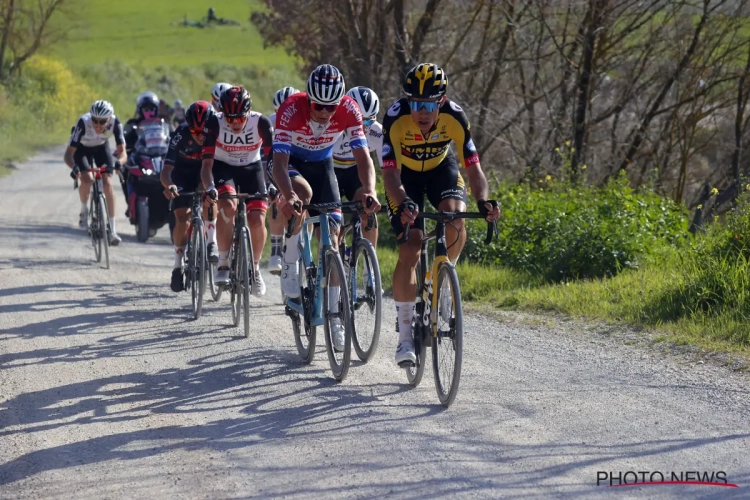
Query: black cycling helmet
x,y
147,100
426,81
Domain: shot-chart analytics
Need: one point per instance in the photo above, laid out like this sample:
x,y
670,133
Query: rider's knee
x,y
256,218
182,216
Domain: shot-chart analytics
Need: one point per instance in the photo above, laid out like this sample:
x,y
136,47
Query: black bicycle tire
x,y
415,373
340,371
104,234
365,247
306,354
447,398
234,295
94,226
246,250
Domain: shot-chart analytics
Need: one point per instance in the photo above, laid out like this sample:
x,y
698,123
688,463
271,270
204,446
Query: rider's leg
x,y
290,270
180,237
455,231
276,227
258,234
109,195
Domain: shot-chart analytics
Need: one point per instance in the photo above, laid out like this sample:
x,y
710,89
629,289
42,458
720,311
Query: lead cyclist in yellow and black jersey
x,y
417,161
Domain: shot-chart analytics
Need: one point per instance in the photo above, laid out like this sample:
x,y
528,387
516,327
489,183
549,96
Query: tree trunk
x,y
7,24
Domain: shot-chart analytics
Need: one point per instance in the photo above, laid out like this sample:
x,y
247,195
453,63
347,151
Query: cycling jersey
x,y
300,137
405,146
342,151
238,149
183,150
85,136
272,119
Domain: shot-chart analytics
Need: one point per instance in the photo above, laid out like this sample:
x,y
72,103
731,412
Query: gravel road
x,y
109,390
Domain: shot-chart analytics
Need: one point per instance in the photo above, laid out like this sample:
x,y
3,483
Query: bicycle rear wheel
x,y
337,308
216,290
105,229
367,300
305,334
447,348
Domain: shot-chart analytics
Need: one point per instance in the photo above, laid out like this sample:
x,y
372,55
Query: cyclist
x,y
147,107
89,145
178,115
308,124
343,159
232,155
417,160
181,173
276,225
216,92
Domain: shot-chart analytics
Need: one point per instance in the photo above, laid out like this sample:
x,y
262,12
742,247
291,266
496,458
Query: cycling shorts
x,y
100,156
249,178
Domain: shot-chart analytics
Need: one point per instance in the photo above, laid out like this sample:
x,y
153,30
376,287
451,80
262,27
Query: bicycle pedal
x,y
406,364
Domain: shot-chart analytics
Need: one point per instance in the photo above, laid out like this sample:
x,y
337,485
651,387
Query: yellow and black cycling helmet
x,y
426,81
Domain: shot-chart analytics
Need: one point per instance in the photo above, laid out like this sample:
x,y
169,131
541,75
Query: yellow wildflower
x,y
714,191
583,167
699,207
567,143
557,150
548,178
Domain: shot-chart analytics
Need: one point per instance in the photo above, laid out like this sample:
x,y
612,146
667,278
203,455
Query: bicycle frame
x,y
325,242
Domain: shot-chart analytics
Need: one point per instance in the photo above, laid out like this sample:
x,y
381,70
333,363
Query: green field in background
x,y
149,32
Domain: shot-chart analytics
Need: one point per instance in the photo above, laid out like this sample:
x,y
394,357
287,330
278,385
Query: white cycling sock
x,y
112,224
404,313
179,256
291,249
333,298
223,259
211,231
84,206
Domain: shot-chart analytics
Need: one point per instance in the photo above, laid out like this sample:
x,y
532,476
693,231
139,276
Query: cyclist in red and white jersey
x,y
232,156
276,226
308,124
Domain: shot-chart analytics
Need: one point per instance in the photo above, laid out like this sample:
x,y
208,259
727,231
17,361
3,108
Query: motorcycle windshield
x,y
153,139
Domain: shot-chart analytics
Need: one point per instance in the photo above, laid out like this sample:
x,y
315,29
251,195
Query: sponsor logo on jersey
x,y
176,140
393,110
230,138
471,160
286,117
233,149
283,137
375,134
435,136
312,141
422,153
418,137
470,145
358,132
353,108
389,163
386,150
456,107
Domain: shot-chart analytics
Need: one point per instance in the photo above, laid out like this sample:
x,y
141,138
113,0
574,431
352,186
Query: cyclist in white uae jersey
x,y
308,125
232,156
89,146
343,159
276,225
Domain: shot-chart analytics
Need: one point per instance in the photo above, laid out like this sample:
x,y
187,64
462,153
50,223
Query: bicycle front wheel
x,y
415,372
197,267
215,289
105,229
305,334
95,227
337,314
248,276
447,347
367,300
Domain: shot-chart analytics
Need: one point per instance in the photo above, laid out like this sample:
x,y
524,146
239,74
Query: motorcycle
x,y
148,208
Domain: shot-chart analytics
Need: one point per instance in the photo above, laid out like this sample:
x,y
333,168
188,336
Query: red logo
x,y
389,163
312,141
418,137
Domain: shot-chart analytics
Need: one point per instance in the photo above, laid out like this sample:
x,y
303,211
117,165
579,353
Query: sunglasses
x,y
324,107
100,121
196,131
428,106
235,119
368,123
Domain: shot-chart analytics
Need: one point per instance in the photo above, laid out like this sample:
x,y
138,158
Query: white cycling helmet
x,y
216,92
326,85
281,95
102,109
368,101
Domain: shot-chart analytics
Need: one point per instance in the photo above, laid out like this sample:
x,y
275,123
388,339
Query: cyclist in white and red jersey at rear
x,y
276,226
343,159
216,92
308,124
232,155
89,147
181,174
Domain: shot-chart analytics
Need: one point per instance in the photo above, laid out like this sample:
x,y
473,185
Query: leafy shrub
x,y
561,231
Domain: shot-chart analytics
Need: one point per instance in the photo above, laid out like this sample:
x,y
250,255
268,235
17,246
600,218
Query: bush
x,y
562,232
